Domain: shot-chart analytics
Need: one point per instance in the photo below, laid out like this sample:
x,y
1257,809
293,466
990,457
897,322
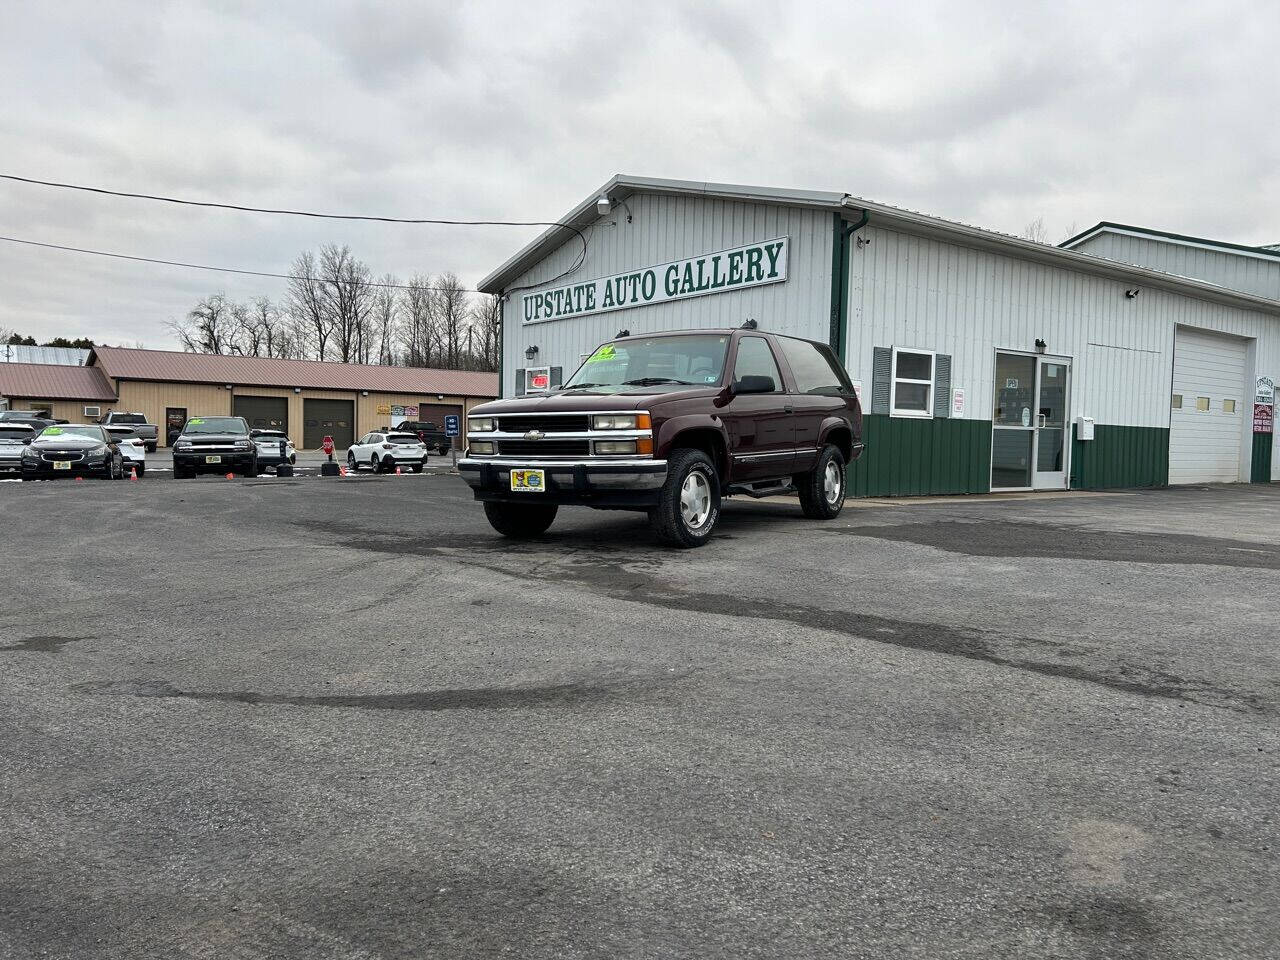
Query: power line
x,y
202,266
582,256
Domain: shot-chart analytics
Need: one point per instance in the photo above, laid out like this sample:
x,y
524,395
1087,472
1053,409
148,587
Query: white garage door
x,y
1206,423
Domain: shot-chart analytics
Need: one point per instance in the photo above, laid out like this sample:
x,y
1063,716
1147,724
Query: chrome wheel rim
x,y
832,482
695,499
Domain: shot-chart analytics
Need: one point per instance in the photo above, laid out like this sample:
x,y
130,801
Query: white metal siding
x,y
1236,271
665,228
1204,445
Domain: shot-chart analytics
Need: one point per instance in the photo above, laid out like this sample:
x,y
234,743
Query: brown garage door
x,y
436,412
328,418
263,413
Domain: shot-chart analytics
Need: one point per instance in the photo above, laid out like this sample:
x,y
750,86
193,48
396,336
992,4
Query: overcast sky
x,y
1161,114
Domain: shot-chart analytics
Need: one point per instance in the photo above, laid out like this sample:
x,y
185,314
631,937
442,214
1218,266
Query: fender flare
x,y
830,424
669,430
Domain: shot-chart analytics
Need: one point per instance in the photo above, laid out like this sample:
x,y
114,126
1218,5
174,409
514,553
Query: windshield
x,y
654,361
197,425
14,433
93,433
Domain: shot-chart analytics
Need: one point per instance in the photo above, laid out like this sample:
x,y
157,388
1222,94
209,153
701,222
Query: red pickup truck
x,y
670,423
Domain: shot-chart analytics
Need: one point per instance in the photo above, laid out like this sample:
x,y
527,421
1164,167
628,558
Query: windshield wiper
x,y
583,386
651,381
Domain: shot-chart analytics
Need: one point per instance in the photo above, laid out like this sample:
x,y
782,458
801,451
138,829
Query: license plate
x,y
212,459
62,464
528,481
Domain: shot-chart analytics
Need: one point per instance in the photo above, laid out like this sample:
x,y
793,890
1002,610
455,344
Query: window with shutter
x,y
881,379
942,385
913,385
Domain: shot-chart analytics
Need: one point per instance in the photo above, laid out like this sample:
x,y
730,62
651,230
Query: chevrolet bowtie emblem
x,y
533,435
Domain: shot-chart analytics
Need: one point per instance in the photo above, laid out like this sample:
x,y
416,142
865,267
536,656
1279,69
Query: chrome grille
x,y
544,448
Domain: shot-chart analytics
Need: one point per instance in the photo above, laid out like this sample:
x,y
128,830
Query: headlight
x,y
622,421
244,444
607,447
480,424
29,454
95,453
482,447
182,445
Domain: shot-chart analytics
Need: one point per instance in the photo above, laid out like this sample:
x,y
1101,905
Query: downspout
x,y
502,343
842,231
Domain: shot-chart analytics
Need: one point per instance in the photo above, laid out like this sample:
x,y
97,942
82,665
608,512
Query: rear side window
x,y
815,369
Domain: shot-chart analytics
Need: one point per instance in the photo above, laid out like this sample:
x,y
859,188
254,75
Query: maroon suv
x,y
669,423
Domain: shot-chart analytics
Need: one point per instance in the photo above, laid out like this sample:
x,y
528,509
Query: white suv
x,y
384,451
133,448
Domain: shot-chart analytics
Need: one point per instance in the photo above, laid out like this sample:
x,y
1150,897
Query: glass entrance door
x,y
1029,423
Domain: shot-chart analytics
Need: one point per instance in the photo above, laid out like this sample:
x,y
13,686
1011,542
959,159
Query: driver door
x,y
762,435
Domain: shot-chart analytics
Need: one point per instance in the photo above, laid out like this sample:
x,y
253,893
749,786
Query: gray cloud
x,y
993,113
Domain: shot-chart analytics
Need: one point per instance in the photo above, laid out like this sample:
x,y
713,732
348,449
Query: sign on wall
x,y
1266,390
537,379
750,266
1263,418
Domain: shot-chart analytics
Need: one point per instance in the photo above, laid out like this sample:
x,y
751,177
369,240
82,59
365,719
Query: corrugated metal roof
x,y
54,381
621,186
66,356
170,365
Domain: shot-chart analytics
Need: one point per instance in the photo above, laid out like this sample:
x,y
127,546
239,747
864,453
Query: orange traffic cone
x,y
79,479
133,474
231,476
398,473
342,470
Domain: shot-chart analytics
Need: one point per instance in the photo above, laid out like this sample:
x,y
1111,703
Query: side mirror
x,y
753,383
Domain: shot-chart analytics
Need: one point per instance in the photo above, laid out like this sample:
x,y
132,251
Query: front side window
x,y
912,383
685,360
815,368
755,359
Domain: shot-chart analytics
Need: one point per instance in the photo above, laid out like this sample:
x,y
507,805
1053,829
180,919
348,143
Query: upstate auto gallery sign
x,y
753,265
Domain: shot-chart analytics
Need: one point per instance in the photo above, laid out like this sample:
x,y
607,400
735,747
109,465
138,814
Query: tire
x,y
250,471
183,473
141,468
689,501
520,521
416,468
352,465
822,489
374,465
151,447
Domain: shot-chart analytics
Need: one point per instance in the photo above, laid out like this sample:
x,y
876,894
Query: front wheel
x,y
689,502
822,489
352,465
520,521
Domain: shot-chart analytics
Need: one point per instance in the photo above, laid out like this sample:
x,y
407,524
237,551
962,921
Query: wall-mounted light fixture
x,y
1132,294
230,386
624,332
364,393
602,205
530,352
297,389
1041,346
439,396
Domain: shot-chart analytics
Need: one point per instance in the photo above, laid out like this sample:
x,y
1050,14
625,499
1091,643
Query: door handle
x,y
787,408
1043,419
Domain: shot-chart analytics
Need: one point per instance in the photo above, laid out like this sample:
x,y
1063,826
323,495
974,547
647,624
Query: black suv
x,y
214,445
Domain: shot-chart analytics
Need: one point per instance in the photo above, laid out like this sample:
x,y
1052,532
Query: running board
x,y
759,490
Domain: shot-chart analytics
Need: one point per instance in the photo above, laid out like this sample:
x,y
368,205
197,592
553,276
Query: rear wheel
x,y
689,502
822,489
417,468
520,521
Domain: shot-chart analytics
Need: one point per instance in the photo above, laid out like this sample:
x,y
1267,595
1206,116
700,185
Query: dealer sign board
x,y
1266,390
753,265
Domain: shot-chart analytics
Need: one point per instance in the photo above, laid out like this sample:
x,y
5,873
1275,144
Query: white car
x,y
133,449
268,444
385,450
13,437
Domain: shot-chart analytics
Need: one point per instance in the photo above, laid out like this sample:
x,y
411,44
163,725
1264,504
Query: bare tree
x,y
386,316
419,334
210,326
348,301
308,304
448,302
1035,231
486,322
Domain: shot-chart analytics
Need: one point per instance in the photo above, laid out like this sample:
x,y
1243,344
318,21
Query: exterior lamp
x,y
364,393
602,205
531,352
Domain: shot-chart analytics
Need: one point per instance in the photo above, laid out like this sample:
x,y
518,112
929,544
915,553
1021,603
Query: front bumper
x,y
229,462
598,482
79,468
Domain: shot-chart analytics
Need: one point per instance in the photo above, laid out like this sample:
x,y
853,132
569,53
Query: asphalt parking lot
x,y
320,718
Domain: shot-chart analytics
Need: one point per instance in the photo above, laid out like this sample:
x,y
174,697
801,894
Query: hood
x,y
65,441
633,398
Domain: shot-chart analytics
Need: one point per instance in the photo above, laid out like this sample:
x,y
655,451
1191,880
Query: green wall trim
x,y
1260,472
1120,456
837,246
910,457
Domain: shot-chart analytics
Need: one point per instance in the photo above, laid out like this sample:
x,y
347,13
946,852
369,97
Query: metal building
x,y
985,361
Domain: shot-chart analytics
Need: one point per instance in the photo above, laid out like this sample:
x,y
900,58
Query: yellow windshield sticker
x,y
53,431
607,352
196,420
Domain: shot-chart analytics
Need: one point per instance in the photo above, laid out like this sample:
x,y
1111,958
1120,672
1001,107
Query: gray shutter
x,y
881,375
557,376
520,382
942,385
